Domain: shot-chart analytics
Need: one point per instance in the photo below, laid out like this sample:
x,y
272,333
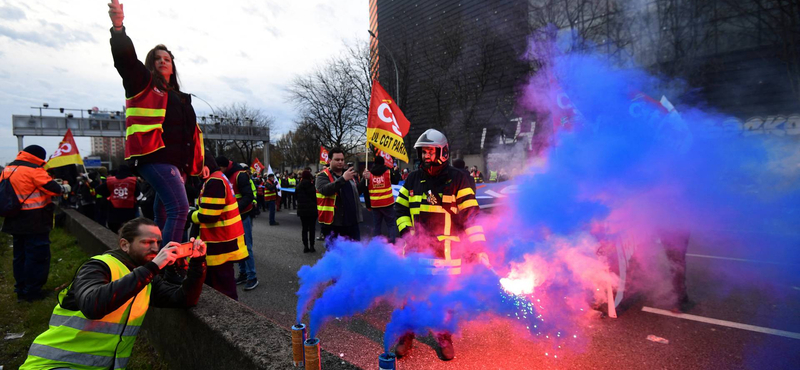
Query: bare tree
x,y
239,117
331,100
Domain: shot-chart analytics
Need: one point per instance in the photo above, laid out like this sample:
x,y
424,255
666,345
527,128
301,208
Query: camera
x,y
349,164
185,249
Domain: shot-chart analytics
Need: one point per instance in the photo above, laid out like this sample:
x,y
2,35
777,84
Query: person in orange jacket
x,y
30,227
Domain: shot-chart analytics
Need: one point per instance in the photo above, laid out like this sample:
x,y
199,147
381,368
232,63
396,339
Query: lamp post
x,y
396,74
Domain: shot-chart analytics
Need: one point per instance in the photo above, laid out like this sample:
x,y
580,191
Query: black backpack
x,y
9,203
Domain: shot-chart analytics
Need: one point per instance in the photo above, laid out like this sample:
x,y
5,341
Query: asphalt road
x,y
714,282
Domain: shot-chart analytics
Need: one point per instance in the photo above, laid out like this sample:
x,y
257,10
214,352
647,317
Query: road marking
x,y
738,259
731,324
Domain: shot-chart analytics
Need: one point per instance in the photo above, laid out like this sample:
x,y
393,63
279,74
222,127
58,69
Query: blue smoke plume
x,y
620,168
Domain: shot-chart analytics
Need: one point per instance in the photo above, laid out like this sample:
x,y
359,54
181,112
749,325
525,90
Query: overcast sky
x,y
225,51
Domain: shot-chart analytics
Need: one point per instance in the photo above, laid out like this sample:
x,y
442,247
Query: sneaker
x,y
446,346
241,279
320,238
404,345
251,284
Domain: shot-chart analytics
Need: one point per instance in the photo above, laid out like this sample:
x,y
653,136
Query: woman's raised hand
x,y
116,13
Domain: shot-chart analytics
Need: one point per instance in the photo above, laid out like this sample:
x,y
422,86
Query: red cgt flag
x,y
323,155
386,124
257,166
387,159
66,154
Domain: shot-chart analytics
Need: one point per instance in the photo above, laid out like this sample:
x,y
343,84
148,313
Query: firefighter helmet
x,y
433,139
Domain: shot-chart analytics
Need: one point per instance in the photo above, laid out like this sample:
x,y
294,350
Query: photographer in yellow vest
x,y
98,316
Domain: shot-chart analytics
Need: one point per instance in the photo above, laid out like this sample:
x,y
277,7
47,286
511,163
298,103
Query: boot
x,y
446,346
305,247
404,345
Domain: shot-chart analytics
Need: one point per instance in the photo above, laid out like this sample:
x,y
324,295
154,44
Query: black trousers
x,y
309,227
31,263
352,232
222,279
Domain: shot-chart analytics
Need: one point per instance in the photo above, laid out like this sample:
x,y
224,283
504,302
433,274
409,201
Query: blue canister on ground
x,y
387,361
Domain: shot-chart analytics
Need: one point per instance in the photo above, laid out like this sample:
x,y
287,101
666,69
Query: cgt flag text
x,y
386,124
257,167
66,154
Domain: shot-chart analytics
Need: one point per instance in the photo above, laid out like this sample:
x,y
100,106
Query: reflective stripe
x,y
33,195
222,223
137,128
209,200
403,222
448,237
404,191
431,208
416,198
209,212
95,326
477,238
464,192
326,208
438,262
60,355
145,112
467,203
373,197
442,271
402,201
474,229
448,199
319,195
374,191
29,205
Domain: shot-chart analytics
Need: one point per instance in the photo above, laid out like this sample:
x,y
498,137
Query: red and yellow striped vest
x,y
224,238
326,204
380,190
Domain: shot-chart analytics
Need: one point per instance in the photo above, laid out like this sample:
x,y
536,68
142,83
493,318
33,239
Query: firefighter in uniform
x,y
98,317
221,228
438,200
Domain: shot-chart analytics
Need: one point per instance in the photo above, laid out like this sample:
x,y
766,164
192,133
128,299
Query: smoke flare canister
x,y
298,337
386,361
312,354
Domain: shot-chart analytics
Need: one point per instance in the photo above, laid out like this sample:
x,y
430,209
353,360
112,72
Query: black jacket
x,y
242,184
306,199
180,119
94,294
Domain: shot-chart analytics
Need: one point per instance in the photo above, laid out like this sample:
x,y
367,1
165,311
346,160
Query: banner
x,y
66,154
388,160
257,166
323,155
386,124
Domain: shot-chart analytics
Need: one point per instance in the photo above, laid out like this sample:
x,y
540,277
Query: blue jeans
x,y
248,265
381,216
171,207
271,206
31,263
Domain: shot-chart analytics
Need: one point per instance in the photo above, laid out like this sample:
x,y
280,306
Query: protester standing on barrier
x,y
97,318
221,228
30,224
163,141
338,207
307,209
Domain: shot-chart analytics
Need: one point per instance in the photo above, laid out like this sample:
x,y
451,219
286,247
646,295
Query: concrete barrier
x,y
219,333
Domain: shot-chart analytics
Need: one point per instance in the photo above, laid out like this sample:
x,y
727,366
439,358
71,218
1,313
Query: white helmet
x,y
433,139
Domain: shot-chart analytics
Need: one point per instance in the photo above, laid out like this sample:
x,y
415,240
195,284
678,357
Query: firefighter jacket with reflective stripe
x,y
76,342
445,209
380,190
326,204
122,192
220,223
242,187
270,191
34,189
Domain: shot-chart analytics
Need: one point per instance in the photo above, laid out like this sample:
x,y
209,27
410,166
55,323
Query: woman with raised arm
x,y
163,142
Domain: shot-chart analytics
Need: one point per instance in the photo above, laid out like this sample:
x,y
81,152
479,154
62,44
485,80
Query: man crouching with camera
x,y
99,315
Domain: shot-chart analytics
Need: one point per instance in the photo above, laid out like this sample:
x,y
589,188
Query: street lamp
x,y
396,74
203,100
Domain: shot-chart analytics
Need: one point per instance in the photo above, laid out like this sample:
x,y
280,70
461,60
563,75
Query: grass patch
x,y
32,318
